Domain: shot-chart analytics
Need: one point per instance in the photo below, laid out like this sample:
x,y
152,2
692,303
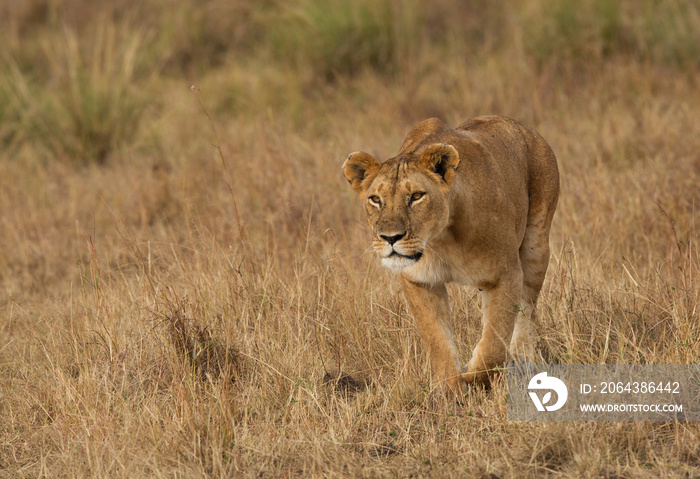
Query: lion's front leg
x,y
431,310
499,309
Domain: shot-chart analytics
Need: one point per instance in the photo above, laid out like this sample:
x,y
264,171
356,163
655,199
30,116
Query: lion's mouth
x,y
413,257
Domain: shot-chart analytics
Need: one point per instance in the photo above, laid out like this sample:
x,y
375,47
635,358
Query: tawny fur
x,y
474,206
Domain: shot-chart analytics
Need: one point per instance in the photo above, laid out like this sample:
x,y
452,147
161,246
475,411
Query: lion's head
x,y
405,200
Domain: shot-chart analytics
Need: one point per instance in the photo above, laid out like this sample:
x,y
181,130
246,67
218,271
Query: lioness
x,y
471,205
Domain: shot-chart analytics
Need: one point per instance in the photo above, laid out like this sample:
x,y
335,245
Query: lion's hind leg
x,y
534,259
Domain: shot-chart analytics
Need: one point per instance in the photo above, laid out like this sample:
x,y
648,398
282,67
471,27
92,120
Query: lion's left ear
x,y
442,159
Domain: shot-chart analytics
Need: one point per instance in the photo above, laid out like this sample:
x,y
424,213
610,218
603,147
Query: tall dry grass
x,y
145,331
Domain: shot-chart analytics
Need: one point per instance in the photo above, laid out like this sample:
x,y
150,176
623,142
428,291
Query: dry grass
x,y
144,332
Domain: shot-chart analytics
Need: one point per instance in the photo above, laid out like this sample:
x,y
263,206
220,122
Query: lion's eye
x,y
375,200
416,196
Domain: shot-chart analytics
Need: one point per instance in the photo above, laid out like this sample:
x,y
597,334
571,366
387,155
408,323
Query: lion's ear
x,y
442,159
358,167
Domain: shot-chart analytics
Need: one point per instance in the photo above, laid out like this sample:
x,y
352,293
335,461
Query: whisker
x,y
369,249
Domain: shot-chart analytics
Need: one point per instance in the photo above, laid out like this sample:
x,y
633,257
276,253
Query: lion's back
x,y
516,140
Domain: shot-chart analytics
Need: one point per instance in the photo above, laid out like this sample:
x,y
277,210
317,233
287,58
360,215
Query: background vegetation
x,y
180,268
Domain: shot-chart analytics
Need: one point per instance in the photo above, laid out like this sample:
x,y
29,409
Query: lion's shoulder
x,y
487,122
432,130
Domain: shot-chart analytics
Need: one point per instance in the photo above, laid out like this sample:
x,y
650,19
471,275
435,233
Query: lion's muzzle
x,y
397,255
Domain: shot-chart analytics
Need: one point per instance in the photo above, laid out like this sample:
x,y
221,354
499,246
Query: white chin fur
x,y
397,263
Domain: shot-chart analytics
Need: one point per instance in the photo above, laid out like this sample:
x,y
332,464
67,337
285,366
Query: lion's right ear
x,y
358,167
441,159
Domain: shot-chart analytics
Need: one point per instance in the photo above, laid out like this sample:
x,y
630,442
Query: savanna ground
x,y
179,269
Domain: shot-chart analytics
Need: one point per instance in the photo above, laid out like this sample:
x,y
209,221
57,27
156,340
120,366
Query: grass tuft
x,y
88,96
196,344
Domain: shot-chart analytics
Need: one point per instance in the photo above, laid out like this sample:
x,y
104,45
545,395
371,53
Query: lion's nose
x,y
392,239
